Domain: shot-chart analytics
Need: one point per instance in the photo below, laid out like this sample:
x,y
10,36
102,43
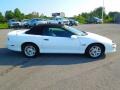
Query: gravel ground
x,y
62,72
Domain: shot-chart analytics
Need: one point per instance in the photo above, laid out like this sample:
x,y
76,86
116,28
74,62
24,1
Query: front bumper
x,y
112,48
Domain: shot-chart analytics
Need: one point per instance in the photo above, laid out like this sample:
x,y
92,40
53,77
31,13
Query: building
x,y
61,14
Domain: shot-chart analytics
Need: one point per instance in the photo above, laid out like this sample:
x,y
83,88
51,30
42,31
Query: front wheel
x,y
30,50
95,51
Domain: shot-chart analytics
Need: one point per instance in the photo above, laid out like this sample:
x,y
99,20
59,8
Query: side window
x,y
47,32
35,31
60,32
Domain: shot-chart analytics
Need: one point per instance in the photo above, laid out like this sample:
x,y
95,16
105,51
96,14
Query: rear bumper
x,y
13,47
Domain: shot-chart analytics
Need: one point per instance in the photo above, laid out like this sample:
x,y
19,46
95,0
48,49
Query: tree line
x,y
18,15
111,17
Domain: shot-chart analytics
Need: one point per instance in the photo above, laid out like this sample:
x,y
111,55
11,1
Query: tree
x,y
108,19
2,18
80,19
43,16
84,17
98,12
115,16
17,14
22,16
9,15
112,14
32,15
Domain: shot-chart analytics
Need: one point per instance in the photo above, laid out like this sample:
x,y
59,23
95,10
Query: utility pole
x,y
103,12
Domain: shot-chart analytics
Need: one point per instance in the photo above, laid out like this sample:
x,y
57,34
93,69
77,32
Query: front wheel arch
x,y
90,45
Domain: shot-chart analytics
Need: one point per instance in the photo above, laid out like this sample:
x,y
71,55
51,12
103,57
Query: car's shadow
x,y
8,57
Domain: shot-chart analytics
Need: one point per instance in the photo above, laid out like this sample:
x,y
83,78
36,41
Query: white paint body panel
x,y
58,44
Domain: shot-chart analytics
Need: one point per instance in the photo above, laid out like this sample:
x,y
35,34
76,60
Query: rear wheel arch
x,y
31,43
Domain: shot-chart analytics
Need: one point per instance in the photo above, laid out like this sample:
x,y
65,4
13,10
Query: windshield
x,y
76,31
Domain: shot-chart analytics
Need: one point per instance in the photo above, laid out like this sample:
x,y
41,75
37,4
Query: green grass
x,y
3,25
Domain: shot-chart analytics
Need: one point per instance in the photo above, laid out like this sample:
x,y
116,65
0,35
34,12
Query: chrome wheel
x,y
30,51
95,51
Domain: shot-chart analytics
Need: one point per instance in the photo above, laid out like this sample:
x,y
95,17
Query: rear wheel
x,y
30,50
95,51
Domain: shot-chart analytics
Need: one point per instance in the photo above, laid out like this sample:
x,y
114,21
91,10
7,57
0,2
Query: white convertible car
x,y
52,38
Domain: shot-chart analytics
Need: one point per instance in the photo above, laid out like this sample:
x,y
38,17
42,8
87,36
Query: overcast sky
x,y
70,7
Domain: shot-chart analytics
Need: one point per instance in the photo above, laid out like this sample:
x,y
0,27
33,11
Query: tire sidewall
x,y
36,49
98,45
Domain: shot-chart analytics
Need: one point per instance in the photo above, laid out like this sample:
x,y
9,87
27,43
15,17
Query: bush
x,y
3,25
80,19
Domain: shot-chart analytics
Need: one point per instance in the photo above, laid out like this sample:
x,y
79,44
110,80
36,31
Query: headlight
x,y
114,45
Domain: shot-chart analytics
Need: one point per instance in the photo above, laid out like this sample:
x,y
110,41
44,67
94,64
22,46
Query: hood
x,y
98,38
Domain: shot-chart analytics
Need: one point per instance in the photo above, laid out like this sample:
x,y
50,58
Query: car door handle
x,y
46,39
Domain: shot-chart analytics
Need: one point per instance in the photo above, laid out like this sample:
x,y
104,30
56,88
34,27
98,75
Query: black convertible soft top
x,y
39,28
49,25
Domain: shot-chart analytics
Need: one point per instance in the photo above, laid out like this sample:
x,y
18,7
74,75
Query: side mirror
x,y
74,36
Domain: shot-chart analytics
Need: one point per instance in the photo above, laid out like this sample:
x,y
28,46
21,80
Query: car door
x,y
58,40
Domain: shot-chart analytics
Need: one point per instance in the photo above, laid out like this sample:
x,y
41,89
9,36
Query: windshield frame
x,y
76,31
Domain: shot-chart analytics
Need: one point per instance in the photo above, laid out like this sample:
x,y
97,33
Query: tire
x,y
59,23
95,51
30,50
34,25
